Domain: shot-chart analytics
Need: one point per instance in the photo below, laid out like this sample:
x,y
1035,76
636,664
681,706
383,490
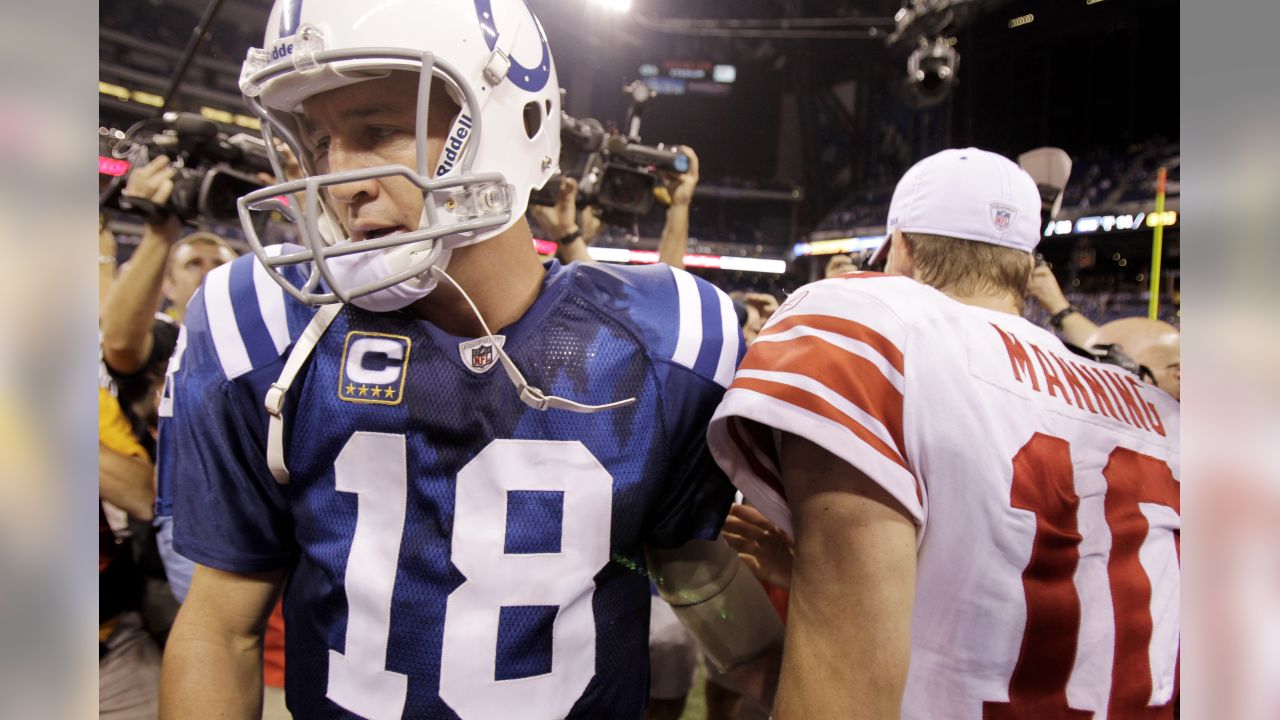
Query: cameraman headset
x,y
573,231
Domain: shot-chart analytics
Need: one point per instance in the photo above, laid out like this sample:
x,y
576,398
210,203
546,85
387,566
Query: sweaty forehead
x,y
394,94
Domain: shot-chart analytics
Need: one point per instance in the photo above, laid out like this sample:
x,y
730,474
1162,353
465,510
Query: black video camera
x,y
613,172
213,169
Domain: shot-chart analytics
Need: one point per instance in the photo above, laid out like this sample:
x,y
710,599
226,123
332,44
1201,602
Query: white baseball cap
x,y
969,194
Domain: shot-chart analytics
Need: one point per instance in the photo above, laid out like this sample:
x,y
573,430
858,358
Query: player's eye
x,y
384,132
318,145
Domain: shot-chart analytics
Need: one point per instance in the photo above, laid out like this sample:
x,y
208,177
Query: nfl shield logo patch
x,y
1002,216
479,355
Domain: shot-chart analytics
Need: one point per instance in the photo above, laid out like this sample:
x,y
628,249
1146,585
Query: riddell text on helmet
x,y
453,148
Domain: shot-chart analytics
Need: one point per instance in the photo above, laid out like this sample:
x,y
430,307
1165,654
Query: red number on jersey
x,y
1043,484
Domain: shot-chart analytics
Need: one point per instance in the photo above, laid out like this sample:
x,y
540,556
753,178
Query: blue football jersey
x,y
454,553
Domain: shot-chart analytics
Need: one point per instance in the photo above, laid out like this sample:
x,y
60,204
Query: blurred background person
x,y
1070,323
128,658
572,230
142,307
106,263
839,264
1154,344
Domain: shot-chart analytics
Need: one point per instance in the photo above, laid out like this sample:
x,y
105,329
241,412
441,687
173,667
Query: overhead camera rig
x,y
922,31
927,27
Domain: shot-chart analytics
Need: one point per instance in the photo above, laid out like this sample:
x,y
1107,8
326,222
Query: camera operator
x,y
573,232
570,230
679,187
136,339
106,263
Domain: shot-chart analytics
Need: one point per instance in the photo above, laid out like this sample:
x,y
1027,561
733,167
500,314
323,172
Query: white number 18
x,y
373,466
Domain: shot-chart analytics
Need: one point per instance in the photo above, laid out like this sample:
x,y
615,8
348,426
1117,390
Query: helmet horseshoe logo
x,y
290,17
531,79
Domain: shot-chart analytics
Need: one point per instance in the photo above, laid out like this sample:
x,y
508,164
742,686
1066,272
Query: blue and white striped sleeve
x,y
703,355
709,340
227,510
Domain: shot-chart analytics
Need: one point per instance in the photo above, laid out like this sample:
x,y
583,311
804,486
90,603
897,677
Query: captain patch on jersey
x,y
373,368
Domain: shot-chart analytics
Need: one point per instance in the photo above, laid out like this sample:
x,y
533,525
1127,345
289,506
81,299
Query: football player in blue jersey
x,y
451,540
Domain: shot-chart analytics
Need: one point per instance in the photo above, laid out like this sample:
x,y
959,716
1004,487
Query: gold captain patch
x,y
373,368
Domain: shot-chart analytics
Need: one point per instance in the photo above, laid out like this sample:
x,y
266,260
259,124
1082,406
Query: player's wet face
x,y
366,125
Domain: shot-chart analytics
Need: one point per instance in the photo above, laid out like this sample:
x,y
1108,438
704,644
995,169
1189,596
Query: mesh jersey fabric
x,y
1044,487
386,396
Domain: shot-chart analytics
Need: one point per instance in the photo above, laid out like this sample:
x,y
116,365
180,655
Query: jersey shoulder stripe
x,y
248,316
830,366
842,332
708,336
825,362
804,393
681,318
845,381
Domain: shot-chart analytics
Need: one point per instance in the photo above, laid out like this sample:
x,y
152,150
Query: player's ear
x,y
900,261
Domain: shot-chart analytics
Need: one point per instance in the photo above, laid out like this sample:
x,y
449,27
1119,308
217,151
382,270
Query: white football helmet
x,y
493,59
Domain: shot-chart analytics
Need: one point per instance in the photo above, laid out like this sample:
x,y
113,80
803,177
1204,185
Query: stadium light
x,y
619,6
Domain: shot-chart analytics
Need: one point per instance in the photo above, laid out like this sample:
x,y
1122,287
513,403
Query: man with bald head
x,y
1155,344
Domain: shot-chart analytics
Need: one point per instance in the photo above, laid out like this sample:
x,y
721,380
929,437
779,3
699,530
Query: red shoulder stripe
x,y
851,376
848,328
819,406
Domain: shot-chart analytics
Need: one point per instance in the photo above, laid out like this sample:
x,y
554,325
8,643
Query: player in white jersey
x,y
986,525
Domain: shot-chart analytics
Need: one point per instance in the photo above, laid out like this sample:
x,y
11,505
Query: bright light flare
x,y
618,6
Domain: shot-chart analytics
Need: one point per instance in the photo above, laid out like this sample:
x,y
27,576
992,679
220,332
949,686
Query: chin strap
x,y
529,395
306,343
280,388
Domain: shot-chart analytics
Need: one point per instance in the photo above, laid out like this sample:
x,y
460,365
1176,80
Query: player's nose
x,y
343,160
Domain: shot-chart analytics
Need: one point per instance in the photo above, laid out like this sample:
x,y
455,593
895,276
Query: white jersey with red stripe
x,y
1044,487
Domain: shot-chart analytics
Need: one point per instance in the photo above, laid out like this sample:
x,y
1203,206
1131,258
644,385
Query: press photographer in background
x,y
574,230
192,184
137,339
1151,349
185,171
610,178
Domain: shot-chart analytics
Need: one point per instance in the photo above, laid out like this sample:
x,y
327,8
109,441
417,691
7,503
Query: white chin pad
x,y
352,271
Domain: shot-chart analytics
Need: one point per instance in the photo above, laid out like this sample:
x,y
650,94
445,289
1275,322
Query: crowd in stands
x,y
1101,180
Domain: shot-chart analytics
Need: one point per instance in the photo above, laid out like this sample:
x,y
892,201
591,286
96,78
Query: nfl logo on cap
x,y
1002,216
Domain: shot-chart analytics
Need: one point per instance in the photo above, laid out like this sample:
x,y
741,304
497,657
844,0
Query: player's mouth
x,y
374,233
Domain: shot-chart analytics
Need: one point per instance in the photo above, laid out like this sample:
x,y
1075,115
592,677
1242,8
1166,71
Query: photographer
x,y
574,232
675,234
137,340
